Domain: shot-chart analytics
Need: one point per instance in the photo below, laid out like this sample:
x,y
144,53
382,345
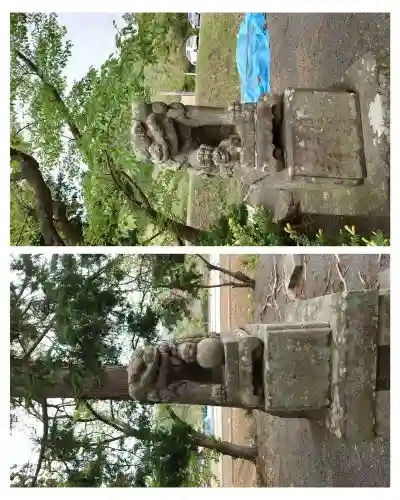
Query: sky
x,y
93,38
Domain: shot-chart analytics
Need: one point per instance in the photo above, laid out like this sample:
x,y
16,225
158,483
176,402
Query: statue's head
x,y
188,351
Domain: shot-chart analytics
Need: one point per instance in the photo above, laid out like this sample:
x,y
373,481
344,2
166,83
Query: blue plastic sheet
x,y
253,57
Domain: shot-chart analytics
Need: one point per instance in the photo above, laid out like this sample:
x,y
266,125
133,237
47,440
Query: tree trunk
x,y
113,386
182,231
226,448
48,211
249,282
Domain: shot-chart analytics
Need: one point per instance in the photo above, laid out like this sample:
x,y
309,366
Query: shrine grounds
x,y
298,452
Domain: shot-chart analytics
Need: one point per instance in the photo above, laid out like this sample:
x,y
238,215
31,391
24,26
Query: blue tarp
x,y
253,57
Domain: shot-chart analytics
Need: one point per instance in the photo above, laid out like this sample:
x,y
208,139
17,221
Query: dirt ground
x,y
299,452
237,426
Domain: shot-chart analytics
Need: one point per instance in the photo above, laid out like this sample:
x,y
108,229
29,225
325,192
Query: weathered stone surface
x,y
384,279
296,369
323,136
353,318
383,337
382,414
232,371
246,128
292,267
264,146
246,353
210,353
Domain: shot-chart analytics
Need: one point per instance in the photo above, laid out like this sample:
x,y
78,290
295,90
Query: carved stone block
x,y
247,351
323,137
264,138
296,367
232,371
245,123
353,319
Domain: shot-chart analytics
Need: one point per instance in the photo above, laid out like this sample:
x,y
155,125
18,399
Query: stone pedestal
x,y
335,142
323,138
320,135
327,360
241,356
337,363
296,366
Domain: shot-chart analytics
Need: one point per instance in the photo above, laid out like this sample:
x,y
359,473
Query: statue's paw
x,y
139,135
156,152
227,170
205,155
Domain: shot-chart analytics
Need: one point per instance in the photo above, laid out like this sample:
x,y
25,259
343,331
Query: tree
x,y
182,272
88,125
72,327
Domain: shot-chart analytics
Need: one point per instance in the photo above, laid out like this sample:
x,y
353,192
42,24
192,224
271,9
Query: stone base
x,y
323,138
296,366
353,319
369,77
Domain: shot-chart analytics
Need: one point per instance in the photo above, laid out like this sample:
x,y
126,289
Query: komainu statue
x,y
210,140
190,370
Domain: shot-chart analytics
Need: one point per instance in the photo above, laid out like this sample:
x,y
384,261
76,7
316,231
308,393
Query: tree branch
x,y
228,283
43,444
180,230
46,208
21,129
29,168
39,339
237,275
54,92
153,237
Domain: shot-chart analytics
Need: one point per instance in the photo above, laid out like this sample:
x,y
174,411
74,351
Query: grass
x,y
168,76
217,84
215,194
217,77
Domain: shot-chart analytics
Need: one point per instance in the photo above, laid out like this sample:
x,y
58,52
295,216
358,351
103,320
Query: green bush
x,y
259,228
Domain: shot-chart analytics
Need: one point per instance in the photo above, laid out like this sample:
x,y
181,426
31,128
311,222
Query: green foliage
x,y
74,311
97,115
159,33
165,460
242,228
346,237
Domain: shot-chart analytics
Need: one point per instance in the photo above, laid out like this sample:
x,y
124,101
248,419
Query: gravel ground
x,y
314,49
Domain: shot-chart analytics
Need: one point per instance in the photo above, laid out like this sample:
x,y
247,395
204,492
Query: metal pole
x,y
176,93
